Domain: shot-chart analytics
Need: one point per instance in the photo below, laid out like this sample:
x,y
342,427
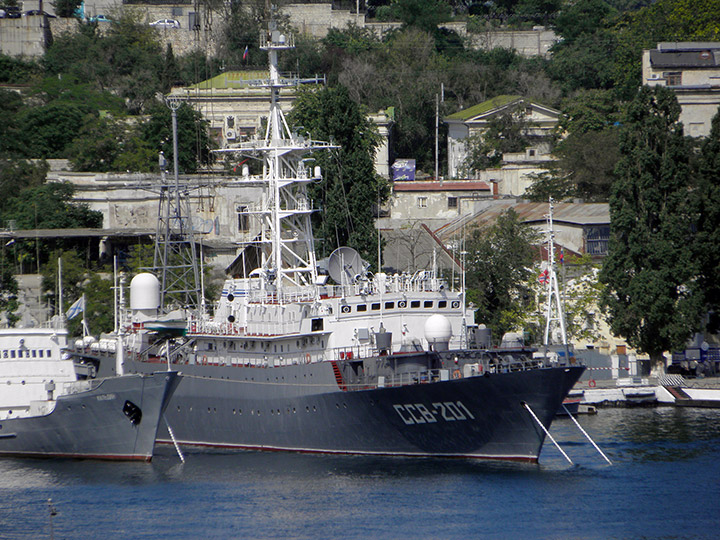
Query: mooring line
x,y
546,432
586,435
172,436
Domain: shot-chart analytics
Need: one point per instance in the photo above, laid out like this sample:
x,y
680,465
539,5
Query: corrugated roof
x,y
532,213
485,106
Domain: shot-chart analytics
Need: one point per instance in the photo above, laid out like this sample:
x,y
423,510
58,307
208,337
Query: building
x,y
235,104
582,228
515,174
692,70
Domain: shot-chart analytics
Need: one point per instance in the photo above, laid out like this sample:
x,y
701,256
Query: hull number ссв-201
x,y
417,413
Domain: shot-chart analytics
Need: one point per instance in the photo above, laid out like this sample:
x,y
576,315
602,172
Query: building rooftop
x,y
485,106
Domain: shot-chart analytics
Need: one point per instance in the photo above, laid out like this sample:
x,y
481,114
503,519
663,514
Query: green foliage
x,y
50,206
498,273
17,175
350,189
192,136
45,132
422,14
8,291
586,62
506,132
99,304
650,271
707,201
78,279
17,70
66,8
97,146
581,293
578,18
584,168
73,274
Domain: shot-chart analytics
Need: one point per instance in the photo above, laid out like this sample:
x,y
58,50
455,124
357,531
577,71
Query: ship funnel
x,y
438,332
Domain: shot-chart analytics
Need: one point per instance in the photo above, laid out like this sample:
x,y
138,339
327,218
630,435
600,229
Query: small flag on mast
x,y
245,54
77,308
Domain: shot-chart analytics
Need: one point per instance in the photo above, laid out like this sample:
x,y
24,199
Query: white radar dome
x,y
144,292
438,329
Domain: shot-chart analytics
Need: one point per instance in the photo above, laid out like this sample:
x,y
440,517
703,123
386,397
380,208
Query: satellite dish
x,y
345,265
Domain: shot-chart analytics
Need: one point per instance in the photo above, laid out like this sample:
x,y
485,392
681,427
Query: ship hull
x,y
303,409
97,423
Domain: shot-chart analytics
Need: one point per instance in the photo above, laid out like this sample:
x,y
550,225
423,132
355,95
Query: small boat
x,y
48,408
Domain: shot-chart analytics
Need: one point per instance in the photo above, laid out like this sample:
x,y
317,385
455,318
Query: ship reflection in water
x,y
661,457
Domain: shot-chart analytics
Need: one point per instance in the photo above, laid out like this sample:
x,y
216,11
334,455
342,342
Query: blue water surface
x,y
664,484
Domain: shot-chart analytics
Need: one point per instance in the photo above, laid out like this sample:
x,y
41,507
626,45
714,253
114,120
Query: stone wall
x,y
25,36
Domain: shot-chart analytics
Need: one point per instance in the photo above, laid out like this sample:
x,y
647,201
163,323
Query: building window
x,y
243,219
673,78
422,202
452,202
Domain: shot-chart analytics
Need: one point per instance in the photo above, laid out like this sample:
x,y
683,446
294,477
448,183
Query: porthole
x,y
346,309
402,304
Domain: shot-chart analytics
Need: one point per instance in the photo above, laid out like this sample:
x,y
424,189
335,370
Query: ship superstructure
x,y
338,360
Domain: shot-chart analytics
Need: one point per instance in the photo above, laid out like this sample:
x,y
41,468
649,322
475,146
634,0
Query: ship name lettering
x,y
106,397
418,413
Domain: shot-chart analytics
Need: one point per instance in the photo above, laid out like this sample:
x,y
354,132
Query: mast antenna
x,y
175,259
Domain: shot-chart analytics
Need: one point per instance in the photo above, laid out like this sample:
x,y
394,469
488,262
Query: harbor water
x,y
664,484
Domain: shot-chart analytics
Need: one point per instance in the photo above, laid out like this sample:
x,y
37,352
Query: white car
x,y
166,23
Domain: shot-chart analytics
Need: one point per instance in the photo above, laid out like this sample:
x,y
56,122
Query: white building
x,y
476,120
692,70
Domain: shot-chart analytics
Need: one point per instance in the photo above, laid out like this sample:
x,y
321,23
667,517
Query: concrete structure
x,y
437,202
199,27
476,120
129,202
235,106
692,70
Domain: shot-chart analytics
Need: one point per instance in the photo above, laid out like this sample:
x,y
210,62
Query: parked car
x,y
99,18
12,12
33,12
166,23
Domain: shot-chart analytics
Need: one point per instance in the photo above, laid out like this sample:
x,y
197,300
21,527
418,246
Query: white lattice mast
x,y
284,240
553,309
175,259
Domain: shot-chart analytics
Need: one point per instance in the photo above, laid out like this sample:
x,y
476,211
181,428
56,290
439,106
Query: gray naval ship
x,y
346,361
46,410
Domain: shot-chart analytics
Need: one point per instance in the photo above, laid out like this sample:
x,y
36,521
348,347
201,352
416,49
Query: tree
x,y
50,206
192,135
650,271
583,169
66,8
499,271
350,188
707,199
506,132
